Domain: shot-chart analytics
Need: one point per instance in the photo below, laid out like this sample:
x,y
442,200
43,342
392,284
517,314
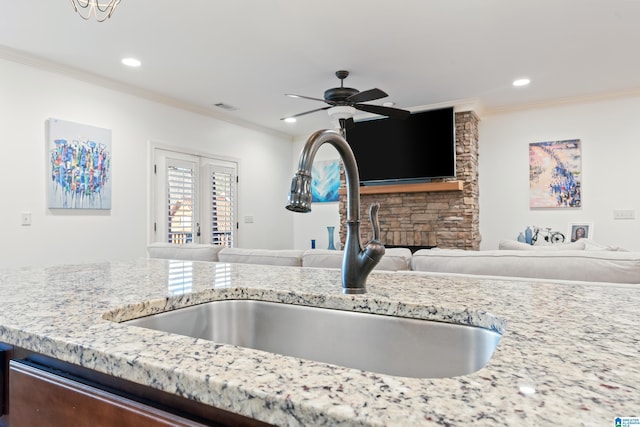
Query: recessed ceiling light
x,y
131,62
388,104
290,120
521,82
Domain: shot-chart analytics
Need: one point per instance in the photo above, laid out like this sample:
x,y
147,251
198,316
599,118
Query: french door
x,y
194,198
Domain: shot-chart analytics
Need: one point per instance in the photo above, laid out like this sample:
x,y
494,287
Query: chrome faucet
x,y
357,263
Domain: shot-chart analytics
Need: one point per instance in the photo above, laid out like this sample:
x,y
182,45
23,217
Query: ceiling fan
x,y
344,101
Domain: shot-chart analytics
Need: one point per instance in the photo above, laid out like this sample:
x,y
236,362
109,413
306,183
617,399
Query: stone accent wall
x,y
448,219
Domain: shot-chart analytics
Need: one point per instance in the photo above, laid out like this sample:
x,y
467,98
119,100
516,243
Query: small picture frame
x,y
580,230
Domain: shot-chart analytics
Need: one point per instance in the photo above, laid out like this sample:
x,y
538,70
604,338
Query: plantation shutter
x,y
181,201
222,184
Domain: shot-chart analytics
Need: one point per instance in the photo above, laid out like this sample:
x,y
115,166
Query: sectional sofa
x,y
395,259
584,261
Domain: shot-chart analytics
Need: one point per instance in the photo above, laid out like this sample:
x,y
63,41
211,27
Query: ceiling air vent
x,y
225,106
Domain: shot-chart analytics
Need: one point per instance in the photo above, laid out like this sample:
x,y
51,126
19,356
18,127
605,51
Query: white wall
x,y
610,137
29,96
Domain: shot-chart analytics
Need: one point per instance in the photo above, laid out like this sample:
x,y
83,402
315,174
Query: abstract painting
x,y
79,161
325,181
555,174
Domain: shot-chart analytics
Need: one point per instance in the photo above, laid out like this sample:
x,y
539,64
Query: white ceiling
x,y
249,53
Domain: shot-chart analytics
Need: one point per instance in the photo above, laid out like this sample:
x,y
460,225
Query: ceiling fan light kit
x,y
342,117
341,112
100,10
344,101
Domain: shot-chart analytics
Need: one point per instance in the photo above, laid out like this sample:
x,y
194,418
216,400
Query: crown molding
x,y
20,57
570,100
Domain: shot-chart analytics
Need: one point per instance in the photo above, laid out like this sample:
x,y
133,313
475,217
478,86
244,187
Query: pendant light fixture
x,y
100,9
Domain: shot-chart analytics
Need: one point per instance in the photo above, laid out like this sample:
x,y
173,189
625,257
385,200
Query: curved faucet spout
x,y
357,263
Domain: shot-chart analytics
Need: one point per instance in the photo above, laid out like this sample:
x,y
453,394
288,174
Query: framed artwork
x,y
580,230
555,169
325,181
79,163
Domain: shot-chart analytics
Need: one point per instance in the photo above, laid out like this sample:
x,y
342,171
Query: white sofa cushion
x,y
394,259
592,245
515,245
591,266
322,258
188,251
286,257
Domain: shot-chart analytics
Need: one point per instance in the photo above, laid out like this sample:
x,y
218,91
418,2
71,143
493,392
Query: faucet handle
x,y
374,250
375,224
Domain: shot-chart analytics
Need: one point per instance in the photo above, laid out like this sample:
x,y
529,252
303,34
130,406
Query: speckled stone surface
x,y
570,354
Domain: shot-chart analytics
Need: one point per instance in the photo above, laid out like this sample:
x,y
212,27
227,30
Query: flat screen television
x,y
416,149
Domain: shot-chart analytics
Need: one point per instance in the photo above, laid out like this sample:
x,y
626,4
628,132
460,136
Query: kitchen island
x,y
569,352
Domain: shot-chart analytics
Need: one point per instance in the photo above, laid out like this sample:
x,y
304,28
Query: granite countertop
x,y
569,353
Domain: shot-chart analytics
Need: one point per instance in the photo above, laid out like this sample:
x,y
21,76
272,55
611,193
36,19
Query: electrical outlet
x,y
248,219
25,218
624,214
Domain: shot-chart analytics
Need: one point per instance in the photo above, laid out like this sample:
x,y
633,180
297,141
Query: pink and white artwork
x,y
554,174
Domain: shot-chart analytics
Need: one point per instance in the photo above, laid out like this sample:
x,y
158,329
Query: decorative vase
x,y
528,235
330,229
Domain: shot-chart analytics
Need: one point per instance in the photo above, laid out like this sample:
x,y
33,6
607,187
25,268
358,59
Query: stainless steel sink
x,y
371,342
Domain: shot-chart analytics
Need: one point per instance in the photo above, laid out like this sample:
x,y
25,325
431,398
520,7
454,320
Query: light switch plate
x,y
624,214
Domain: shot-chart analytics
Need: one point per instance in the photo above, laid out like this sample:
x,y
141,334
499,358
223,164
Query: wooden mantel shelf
x,y
410,188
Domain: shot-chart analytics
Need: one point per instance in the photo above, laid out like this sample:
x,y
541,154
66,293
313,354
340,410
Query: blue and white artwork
x,y
79,160
325,181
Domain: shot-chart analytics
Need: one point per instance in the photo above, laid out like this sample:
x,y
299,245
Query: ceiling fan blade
x,y
394,113
367,95
291,95
306,112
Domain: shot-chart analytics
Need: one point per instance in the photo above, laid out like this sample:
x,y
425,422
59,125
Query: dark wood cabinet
x,y
41,398
5,356
41,391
